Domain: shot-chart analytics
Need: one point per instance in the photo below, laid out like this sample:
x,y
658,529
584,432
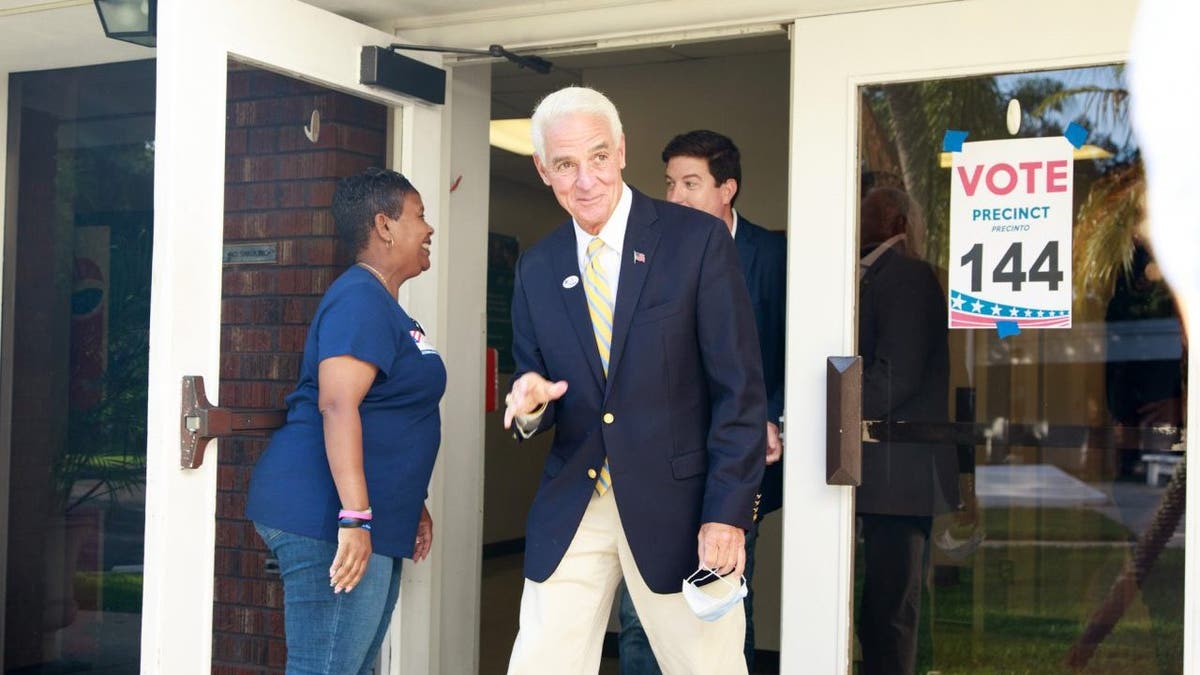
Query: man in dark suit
x,y
704,171
634,340
902,338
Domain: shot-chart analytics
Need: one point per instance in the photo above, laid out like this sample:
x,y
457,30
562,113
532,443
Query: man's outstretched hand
x,y
530,392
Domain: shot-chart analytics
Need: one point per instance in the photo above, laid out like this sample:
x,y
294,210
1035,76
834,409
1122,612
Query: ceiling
x,y
73,38
515,91
378,11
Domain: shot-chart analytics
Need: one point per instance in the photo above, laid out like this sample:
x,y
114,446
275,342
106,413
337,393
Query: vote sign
x,y
1010,233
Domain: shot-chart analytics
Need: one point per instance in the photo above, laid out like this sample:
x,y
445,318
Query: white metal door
x,y
832,57
195,43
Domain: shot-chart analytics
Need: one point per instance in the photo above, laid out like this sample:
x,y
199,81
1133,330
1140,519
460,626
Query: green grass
x,y
1033,604
1016,609
109,591
1025,523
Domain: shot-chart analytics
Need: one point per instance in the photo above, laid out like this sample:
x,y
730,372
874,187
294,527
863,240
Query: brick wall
x,y
278,187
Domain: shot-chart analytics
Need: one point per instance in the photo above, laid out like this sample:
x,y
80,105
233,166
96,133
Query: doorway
x,y
736,87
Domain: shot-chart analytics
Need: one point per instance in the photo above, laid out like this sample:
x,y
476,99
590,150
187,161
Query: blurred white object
x,y
1164,69
956,549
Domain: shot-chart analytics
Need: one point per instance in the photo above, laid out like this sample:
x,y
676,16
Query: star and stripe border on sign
x,y
967,311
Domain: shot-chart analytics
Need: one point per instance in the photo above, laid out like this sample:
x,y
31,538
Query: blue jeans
x,y
635,654
327,633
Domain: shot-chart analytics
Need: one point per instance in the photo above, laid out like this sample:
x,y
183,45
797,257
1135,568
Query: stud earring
x,y
389,243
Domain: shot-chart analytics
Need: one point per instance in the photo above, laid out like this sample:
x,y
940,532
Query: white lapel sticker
x,y
571,281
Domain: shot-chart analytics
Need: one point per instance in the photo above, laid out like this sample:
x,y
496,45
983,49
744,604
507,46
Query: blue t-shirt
x,y
292,488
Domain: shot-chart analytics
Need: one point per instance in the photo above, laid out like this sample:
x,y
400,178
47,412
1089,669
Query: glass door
x,y
1035,489
206,188
1044,531
84,230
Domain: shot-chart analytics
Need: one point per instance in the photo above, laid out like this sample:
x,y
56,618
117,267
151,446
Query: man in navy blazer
x,y
656,404
704,171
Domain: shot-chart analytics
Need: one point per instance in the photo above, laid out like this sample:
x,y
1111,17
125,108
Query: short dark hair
x,y
724,160
358,198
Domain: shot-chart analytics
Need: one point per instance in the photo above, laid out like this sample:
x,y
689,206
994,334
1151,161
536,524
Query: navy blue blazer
x,y
763,255
680,416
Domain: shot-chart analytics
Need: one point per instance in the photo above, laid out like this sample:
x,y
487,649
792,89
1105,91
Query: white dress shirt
x,y
613,236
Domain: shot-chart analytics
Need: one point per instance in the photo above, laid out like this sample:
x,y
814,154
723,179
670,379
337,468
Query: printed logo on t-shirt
x,y
422,342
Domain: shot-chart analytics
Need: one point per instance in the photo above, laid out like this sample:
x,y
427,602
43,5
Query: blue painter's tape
x,y
1076,134
953,140
1007,329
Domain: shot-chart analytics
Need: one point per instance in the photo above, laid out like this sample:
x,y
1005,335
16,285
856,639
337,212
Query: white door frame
x,y
195,41
832,57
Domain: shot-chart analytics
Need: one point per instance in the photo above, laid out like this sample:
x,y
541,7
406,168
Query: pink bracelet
x,y
361,515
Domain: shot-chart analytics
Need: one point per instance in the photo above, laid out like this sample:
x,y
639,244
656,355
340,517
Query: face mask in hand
x,y
705,606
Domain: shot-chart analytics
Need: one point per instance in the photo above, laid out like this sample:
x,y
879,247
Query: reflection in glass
x,y
81,300
1067,552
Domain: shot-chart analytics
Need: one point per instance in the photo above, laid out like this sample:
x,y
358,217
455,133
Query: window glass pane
x,y
1044,532
81,300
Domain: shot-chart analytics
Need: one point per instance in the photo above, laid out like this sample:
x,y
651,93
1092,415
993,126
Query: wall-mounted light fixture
x,y
129,20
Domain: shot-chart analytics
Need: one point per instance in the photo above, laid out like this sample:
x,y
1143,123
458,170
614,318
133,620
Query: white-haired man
x,y
634,340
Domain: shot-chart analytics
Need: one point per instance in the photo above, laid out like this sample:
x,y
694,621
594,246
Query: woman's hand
x,y
424,536
350,563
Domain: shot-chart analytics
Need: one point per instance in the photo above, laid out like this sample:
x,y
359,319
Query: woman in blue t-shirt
x,y
339,494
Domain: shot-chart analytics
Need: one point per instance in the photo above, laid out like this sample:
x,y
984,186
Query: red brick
x,y
291,195
235,310
263,140
226,478
294,139
291,338
359,112
229,534
242,226
319,252
291,223
231,504
320,194
237,85
266,593
243,280
362,141
227,589
261,196
235,197
245,339
274,624
322,223
235,142
267,84
349,164
227,563
276,653
300,309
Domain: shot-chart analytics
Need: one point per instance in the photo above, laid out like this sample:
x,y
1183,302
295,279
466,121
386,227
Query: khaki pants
x,y
564,617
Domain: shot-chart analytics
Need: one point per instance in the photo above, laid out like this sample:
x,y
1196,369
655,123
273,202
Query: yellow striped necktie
x,y
600,307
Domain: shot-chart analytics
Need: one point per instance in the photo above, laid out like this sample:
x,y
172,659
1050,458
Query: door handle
x,y
201,421
843,420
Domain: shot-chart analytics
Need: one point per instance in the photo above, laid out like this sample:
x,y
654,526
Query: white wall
x,y
744,97
513,469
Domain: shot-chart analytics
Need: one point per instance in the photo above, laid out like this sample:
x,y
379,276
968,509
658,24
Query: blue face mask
x,y
707,607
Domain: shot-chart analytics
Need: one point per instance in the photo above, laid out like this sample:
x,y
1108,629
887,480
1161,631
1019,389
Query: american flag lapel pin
x,y
639,257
